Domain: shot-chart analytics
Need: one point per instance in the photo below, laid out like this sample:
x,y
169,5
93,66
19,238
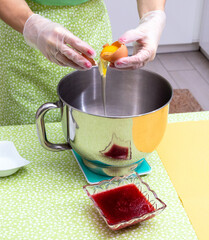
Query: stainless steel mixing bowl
x,y
114,144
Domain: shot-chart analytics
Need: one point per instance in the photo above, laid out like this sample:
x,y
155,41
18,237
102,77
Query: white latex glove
x,y
145,37
52,39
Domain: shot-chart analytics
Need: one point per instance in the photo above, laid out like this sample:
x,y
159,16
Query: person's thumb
x,y
131,36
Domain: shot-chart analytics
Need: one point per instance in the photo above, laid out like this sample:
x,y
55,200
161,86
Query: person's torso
x,y
60,2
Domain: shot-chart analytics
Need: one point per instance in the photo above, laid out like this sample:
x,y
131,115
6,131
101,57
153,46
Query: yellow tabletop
x,y
184,151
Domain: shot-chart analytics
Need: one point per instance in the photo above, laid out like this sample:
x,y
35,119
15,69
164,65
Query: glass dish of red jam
x,y
124,201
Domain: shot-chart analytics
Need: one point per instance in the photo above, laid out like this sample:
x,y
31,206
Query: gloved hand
x,y
57,43
145,37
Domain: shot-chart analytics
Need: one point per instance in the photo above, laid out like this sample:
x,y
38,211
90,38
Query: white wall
x,y
183,19
199,8
123,16
204,36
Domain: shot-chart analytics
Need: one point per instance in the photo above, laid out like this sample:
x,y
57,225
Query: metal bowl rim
x,y
110,116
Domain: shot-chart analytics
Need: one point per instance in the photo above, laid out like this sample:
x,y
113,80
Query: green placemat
x,y
45,199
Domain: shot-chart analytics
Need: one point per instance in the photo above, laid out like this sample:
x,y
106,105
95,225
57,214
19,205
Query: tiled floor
x,y
185,70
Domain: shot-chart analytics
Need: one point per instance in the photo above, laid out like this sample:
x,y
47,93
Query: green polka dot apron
x,y
27,78
60,2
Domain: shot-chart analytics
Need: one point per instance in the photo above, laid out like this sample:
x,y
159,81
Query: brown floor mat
x,y
184,101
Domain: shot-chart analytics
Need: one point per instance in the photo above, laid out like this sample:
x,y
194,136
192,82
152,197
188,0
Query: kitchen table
x,y
45,199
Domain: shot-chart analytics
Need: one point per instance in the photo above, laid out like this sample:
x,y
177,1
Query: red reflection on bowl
x,y
117,149
117,152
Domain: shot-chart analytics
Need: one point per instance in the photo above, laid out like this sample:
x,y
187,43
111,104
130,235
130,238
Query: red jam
x,y
117,152
122,203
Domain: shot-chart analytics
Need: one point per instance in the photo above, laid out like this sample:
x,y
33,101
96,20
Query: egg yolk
x,y
106,51
109,49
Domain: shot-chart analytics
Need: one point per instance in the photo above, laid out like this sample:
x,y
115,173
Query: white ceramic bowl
x,y
10,160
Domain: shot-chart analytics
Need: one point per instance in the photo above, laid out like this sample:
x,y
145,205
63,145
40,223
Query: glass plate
x,y
115,182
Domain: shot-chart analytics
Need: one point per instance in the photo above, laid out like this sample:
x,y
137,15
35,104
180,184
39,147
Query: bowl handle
x,y
41,130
